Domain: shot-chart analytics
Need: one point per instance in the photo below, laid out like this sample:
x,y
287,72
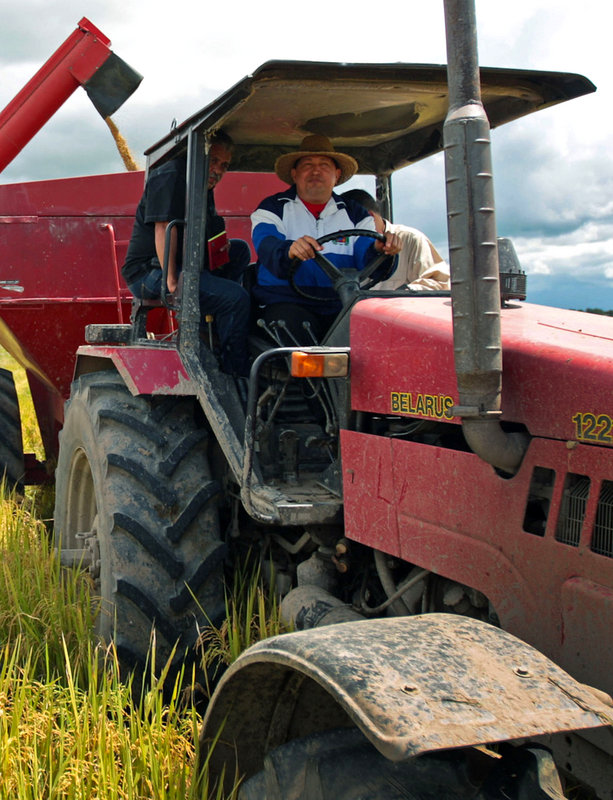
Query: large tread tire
x,y
133,484
11,443
342,765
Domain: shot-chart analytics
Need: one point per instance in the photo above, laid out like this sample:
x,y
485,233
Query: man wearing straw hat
x,y
286,227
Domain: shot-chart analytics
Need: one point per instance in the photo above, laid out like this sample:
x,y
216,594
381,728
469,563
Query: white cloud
x,y
553,172
584,258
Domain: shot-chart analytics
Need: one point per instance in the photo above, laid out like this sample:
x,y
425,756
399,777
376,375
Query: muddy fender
x,y
412,685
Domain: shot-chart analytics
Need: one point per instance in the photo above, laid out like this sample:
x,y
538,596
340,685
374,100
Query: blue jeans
x,y
229,304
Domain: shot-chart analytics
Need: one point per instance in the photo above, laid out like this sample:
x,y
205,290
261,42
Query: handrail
x,y
110,228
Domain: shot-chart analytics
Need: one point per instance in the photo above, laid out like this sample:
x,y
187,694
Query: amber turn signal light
x,y
320,365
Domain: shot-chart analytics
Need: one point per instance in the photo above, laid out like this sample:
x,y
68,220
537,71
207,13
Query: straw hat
x,y
316,145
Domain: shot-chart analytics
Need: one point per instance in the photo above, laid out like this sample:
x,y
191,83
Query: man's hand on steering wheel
x,y
392,245
307,247
388,245
304,248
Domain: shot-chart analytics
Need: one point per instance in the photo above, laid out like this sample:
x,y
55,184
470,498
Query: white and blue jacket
x,y
281,219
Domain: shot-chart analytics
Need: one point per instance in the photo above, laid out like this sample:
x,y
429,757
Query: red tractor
x,y
443,540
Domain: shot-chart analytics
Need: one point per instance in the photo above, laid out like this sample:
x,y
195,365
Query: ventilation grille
x,y
602,535
572,511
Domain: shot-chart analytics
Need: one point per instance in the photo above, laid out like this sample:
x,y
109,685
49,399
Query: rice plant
x,y
43,606
69,728
59,741
253,613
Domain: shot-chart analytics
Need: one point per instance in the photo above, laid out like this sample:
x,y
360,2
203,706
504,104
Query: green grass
x,y
69,728
44,609
63,741
253,613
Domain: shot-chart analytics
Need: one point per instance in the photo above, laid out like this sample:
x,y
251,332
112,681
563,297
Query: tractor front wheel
x,y
136,503
341,764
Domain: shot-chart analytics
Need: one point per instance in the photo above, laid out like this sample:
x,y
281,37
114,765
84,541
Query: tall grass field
x,y
69,728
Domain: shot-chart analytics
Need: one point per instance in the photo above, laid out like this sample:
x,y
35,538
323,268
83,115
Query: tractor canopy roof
x,y
385,115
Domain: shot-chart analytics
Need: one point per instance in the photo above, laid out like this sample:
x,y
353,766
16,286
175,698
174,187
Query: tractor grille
x,y
602,536
572,511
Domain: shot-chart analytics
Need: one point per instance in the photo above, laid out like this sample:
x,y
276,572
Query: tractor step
x,y
306,503
108,334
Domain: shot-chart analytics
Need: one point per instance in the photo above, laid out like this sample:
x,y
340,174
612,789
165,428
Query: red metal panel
x,y
238,194
558,364
48,334
453,514
400,345
62,258
64,242
587,612
104,195
367,473
145,370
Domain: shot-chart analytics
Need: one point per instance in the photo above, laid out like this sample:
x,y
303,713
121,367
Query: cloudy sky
x,y
553,171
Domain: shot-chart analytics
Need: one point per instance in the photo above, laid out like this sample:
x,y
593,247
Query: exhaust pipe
x,y
473,253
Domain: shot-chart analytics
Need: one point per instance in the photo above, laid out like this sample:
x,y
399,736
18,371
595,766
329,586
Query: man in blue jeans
x,y
220,294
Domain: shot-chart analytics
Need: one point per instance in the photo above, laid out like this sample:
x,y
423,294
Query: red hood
x,y
557,365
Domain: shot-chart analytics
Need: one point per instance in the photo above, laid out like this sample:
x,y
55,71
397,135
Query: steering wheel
x,y
359,279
